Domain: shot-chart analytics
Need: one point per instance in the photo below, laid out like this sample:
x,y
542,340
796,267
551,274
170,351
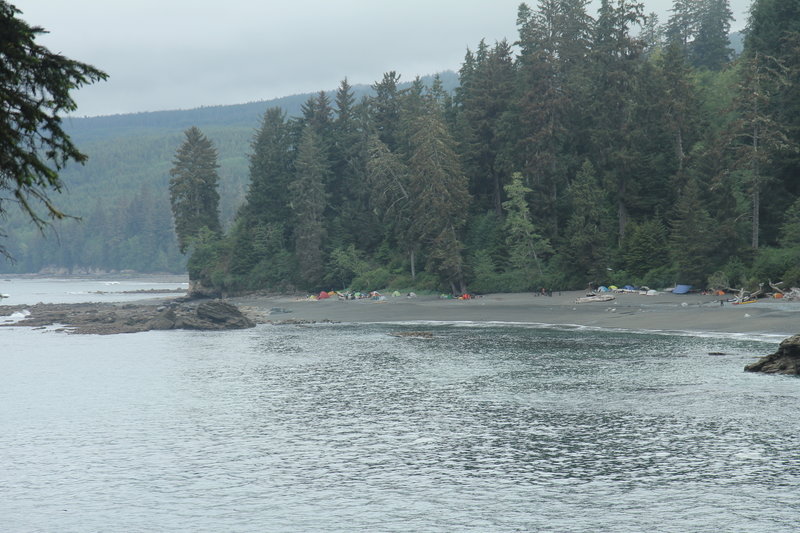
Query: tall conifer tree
x,y
193,188
440,197
270,171
711,46
308,201
482,101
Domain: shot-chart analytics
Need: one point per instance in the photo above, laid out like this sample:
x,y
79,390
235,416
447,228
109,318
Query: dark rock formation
x,y
215,315
785,361
105,319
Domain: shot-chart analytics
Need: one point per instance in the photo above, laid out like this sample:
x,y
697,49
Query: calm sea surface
x,y
346,428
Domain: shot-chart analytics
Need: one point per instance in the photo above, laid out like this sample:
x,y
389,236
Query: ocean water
x,y
27,290
345,427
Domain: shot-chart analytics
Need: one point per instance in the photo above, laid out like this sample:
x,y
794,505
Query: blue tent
x,y
681,289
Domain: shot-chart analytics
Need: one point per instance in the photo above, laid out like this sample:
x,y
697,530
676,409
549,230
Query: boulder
x,y
785,361
216,315
164,320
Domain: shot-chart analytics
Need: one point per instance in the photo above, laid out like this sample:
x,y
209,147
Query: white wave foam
x,y
760,337
13,318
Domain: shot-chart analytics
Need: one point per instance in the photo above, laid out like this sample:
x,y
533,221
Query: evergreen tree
x,y
645,247
267,198
35,85
771,26
552,86
711,46
318,113
438,189
682,107
790,230
483,98
652,33
385,109
351,219
693,240
308,205
525,245
389,180
587,234
347,141
773,31
617,61
757,137
683,24
193,188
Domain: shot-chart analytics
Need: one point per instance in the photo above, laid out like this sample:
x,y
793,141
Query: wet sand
x,y
663,312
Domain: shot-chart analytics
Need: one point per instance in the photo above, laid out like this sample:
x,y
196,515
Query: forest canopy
x,y
605,148
593,149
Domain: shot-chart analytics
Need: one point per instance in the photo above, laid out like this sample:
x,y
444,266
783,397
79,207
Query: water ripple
x,y
346,428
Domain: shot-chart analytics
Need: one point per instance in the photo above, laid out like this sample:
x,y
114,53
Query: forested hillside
x,y
597,148
121,194
605,149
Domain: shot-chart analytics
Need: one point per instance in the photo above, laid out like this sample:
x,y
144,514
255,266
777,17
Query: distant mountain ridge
x,y
249,114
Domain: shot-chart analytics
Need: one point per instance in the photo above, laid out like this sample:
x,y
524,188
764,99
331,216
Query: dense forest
x,y
119,198
610,149
607,149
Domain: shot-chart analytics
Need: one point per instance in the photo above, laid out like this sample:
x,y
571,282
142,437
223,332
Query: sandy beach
x,y
662,312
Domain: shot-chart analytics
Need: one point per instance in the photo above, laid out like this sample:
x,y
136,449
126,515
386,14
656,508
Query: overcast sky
x,y
181,54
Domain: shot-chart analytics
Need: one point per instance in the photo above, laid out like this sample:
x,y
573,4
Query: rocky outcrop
x,y
214,315
785,361
105,319
198,290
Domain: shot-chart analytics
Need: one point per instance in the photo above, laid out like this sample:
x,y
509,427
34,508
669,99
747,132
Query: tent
x,y
323,295
681,289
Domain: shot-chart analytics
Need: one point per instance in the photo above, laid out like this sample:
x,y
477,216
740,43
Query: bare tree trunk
x,y
554,203
756,194
756,214
413,265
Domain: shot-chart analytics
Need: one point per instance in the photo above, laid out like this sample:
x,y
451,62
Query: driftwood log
x,y
792,295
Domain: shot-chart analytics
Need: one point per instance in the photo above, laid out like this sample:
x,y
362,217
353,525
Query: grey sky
x,y
180,54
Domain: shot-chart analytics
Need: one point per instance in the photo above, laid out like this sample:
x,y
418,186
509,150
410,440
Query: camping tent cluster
x,y
627,289
355,295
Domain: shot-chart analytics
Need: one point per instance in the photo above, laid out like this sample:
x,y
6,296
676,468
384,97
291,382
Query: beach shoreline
x,y
664,312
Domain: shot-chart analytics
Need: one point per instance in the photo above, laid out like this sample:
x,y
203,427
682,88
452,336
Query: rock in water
x,y
106,319
785,361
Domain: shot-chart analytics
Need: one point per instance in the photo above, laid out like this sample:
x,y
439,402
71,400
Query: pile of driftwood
x,y
742,295
792,295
